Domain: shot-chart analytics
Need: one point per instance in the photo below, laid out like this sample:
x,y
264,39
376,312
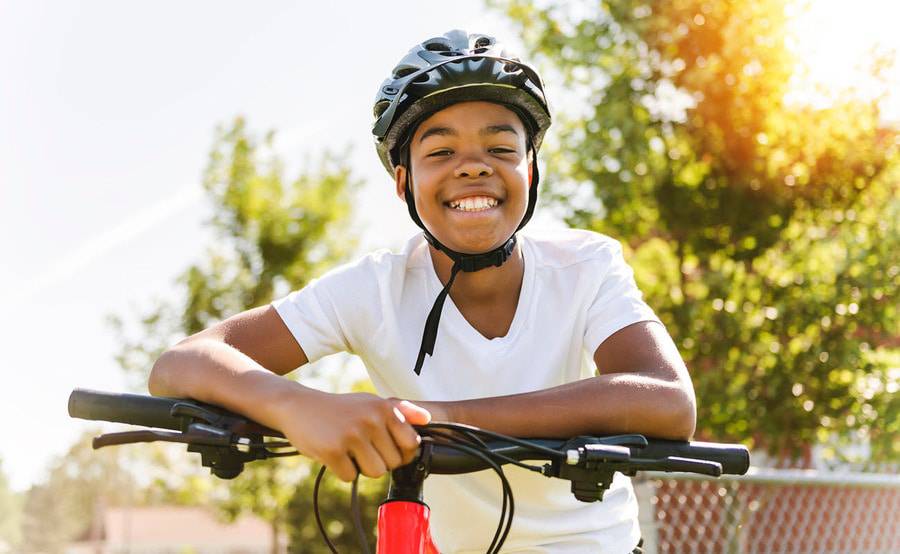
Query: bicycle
x,y
226,441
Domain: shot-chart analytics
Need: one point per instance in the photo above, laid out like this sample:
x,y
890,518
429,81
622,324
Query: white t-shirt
x,y
577,291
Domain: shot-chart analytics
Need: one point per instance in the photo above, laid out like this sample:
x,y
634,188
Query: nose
x,y
473,168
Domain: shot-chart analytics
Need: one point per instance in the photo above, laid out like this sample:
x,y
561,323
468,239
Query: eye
x,y
440,153
503,150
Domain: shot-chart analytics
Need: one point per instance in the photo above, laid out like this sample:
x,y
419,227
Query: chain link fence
x,y
770,511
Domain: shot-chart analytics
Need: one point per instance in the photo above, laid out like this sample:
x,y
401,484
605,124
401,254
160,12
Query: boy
x,y
458,125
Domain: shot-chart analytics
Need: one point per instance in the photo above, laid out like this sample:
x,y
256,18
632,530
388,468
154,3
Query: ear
x,y
400,181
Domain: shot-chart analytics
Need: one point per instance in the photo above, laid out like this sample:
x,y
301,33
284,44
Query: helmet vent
x,y
482,42
479,50
381,106
437,46
404,70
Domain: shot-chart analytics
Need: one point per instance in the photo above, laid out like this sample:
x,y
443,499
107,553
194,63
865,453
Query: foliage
x,y
764,231
10,514
79,484
334,505
272,235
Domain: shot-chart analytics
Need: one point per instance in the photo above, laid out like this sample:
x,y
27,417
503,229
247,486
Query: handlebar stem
x,y
408,481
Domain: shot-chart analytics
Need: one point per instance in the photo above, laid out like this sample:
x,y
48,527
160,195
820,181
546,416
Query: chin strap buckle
x,y
469,263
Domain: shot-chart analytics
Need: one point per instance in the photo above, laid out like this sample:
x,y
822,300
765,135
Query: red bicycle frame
x,y
403,518
403,528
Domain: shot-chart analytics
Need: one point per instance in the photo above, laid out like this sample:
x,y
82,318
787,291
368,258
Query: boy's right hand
x,y
338,429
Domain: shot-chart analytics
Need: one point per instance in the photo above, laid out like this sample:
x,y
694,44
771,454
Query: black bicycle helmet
x,y
456,67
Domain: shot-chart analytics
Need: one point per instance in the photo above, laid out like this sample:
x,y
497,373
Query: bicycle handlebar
x,y
226,441
158,412
134,409
176,414
734,459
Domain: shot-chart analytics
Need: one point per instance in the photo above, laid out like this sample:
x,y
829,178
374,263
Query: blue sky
x,y
107,111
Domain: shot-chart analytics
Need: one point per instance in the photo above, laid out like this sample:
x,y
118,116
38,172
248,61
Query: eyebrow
x,y
440,131
494,129
489,130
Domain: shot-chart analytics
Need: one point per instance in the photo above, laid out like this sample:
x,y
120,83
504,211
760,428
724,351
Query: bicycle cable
x,y
478,443
490,434
507,510
462,438
506,518
354,510
357,516
316,511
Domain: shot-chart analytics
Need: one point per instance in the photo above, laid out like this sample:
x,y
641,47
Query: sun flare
x,y
839,43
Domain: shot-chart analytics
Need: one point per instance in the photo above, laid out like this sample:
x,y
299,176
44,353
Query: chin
x,y
475,244
472,239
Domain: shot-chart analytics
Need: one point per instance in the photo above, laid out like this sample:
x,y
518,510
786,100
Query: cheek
x,y
520,174
421,179
423,194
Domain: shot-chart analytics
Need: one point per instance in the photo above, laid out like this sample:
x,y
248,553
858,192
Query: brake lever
x,y
197,434
677,464
634,440
130,437
237,425
189,409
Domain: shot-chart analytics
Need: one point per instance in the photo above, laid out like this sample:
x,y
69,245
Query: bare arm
x,y
239,364
235,364
643,387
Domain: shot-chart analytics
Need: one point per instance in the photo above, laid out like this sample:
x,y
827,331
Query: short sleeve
x,y
310,316
617,303
325,316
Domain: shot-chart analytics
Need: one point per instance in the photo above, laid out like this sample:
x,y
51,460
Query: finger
x,y
387,449
368,460
406,439
414,415
344,468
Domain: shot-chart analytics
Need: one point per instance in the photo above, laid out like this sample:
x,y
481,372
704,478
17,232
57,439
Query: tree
x,y
334,505
272,236
763,231
10,515
79,484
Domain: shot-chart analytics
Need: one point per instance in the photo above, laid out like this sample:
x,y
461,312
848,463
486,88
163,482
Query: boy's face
x,y
471,171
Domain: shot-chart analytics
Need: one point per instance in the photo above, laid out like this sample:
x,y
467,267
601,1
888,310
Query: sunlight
x,y
841,42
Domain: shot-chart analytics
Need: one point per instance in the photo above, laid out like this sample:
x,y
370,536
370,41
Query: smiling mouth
x,y
474,204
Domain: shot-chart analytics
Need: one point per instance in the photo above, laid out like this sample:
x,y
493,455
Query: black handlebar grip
x,y
134,409
735,458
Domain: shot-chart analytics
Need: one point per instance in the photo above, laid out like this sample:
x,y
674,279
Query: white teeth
x,y
474,203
